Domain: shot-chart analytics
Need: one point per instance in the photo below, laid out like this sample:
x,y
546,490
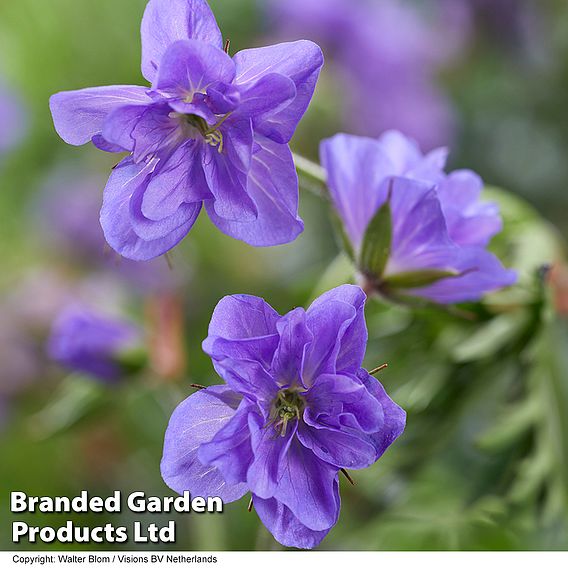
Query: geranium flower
x,y
296,408
211,130
87,342
413,230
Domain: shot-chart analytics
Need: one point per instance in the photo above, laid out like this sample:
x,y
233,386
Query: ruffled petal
x,y
190,66
78,116
482,273
167,21
125,185
230,449
294,335
300,61
273,186
353,341
356,168
269,449
180,180
194,422
285,527
306,485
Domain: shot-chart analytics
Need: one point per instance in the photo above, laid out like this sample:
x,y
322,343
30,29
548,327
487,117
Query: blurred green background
x,y
484,461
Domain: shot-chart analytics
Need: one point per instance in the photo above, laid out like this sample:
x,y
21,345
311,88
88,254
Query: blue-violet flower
x,y
212,130
296,409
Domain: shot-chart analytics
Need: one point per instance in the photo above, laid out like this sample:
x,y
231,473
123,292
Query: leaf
x,y
418,278
342,238
377,241
76,398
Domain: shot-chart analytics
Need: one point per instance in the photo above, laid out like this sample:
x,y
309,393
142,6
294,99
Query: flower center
x,y
287,406
212,135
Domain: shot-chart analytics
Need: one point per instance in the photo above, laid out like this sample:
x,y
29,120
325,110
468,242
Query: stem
x,y
313,175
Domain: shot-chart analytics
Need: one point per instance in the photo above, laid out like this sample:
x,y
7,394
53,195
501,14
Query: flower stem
x,y
312,176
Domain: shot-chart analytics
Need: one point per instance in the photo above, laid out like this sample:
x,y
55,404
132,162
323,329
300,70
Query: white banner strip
x,y
286,559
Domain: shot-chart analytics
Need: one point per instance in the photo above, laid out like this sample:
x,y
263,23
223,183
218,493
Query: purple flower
x,y
87,342
296,408
211,130
414,230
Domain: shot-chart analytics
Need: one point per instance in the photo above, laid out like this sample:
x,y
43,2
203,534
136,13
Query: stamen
x,y
379,369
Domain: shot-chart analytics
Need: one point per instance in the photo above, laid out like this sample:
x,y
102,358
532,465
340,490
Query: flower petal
x,y
394,416
127,181
353,342
483,273
356,168
180,180
273,186
264,100
167,21
300,61
230,449
285,527
471,222
226,173
190,66
307,487
79,115
194,422
288,359
269,449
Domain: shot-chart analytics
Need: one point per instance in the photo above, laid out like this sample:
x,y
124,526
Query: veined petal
x,y
294,336
347,448
230,449
194,422
167,21
190,66
243,328
301,61
306,486
180,180
273,186
470,221
333,397
80,115
394,417
356,168
353,342
269,449
250,379
226,172
264,100
285,527
126,182
243,317
482,273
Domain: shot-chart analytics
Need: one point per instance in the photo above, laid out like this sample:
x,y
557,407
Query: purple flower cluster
x,y
212,130
297,407
87,342
415,231
390,54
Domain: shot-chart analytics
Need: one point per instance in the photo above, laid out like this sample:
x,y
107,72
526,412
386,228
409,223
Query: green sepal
x,y
376,247
341,235
418,278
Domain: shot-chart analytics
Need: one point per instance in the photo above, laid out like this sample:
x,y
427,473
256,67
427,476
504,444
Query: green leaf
x,y
76,398
418,278
342,237
376,246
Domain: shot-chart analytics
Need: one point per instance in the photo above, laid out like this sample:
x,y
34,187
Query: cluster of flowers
x,y
297,407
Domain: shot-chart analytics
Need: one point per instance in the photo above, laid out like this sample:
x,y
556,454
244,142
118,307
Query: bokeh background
x,y
484,460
